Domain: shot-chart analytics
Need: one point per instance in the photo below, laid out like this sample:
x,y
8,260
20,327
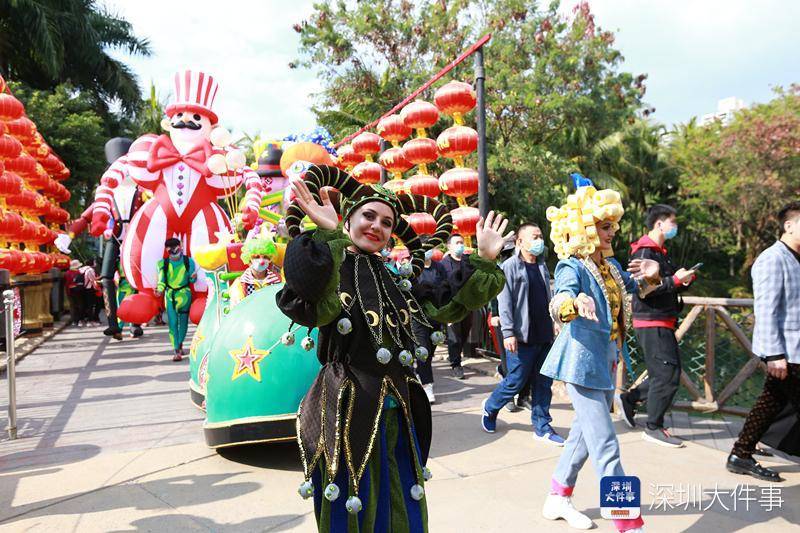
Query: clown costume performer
x,y
591,307
364,427
258,252
176,273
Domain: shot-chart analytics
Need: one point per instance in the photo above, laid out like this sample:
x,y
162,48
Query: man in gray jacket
x,y
776,339
527,334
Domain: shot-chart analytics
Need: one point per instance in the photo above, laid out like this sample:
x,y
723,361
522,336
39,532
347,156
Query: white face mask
x,y
259,265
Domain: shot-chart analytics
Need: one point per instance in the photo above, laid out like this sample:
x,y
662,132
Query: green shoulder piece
x,y
484,284
329,306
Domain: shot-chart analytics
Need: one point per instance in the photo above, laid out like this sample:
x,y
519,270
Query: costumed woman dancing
x,y
591,306
364,427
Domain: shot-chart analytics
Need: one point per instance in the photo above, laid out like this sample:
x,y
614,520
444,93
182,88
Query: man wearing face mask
x,y
434,275
458,332
655,319
175,275
258,252
527,334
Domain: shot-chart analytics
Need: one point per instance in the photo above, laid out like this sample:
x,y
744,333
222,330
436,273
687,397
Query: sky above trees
x,y
695,53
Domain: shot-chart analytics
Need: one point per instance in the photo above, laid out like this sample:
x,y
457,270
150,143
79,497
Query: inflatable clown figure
x,y
187,171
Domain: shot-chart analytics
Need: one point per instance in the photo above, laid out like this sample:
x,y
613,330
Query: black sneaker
x,y
750,467
458,372
627,409
661,437
524,402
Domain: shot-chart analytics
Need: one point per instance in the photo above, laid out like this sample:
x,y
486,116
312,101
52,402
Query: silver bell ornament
x,y
307,344
417,492
405,285
344,326
287,339
405,269
383,356
331,492
421,353
306,490
437,338
426,473
353,505
405,358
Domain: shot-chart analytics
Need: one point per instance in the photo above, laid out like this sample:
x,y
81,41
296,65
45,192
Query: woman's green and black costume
x,y
364,426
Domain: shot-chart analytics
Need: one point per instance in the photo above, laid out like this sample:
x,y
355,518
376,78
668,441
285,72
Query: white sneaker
x,y
556,507
429,391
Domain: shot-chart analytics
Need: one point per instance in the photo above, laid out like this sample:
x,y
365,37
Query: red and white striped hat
x,y
195,92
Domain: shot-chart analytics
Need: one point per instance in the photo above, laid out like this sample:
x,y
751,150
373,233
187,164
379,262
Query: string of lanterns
x,y
454,99
30,192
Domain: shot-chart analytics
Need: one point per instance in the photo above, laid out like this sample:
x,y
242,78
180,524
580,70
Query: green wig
x,y
260,245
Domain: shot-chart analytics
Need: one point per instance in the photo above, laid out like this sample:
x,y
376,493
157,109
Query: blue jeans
x,y
524,364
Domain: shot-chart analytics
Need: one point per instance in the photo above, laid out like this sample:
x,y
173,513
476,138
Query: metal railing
x,y
8,303
717,360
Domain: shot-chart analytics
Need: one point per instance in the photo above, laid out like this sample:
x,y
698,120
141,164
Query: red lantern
x,y
10,107
367,144
419,115
13,226
423,184
11,260
367,172
455,98
62,174
51,163
393,129
347,157
10,148
459,182
23,129
421,151
466,220
61,193
23,164
456,142
397,186
394,161
422,223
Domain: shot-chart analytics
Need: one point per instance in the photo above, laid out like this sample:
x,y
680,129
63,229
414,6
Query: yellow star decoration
x,y
247,360
196,340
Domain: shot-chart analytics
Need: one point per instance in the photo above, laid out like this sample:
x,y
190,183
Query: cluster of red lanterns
x,y
453,99
30,192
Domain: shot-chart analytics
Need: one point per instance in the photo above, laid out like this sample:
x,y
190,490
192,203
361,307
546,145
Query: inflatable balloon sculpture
x,y
187,171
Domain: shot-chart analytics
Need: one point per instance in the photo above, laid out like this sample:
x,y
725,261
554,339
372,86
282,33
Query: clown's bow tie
x,y
164,154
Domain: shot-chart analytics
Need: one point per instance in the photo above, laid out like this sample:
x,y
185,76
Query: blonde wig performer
x,y
591,308
364,427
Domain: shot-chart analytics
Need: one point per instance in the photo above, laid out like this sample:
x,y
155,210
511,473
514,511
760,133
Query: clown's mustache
x,y
191,125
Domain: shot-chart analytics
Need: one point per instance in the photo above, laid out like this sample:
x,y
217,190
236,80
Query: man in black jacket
x,y
655,319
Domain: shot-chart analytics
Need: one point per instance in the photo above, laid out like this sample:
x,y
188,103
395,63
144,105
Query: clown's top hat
x,y
194,92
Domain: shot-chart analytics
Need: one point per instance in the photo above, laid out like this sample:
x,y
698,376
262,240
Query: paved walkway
x,y
110,442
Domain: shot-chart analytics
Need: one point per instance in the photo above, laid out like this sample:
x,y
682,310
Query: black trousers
x,y
663,373
458,341
423,335
75,297
777,394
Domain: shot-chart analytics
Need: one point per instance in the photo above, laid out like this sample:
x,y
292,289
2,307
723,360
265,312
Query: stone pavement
x,y
110,442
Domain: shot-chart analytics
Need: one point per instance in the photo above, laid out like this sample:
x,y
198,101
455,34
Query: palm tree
x,y
47,42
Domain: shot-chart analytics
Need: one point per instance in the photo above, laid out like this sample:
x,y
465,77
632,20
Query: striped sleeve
x,y
137,161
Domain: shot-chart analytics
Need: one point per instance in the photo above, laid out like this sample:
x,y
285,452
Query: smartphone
x,y
697,267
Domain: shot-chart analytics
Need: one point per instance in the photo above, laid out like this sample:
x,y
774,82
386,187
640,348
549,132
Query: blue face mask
x,y
537,247
458,251
671,232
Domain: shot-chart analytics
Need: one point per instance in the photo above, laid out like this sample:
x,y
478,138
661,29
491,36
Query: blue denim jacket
x,y
579,353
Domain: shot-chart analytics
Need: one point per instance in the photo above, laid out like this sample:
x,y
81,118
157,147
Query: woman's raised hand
x,y
490,235
325,215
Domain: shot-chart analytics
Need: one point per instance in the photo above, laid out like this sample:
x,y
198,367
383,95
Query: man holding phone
x,y
655,318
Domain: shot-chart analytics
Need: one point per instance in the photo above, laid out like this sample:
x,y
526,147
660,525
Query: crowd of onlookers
x,y
84,292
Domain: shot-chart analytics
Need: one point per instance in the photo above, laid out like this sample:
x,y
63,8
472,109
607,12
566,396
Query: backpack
x,y
79,280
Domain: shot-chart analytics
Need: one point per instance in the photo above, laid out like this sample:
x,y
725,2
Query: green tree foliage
x,y
734,178
44,43
553,83
67,120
